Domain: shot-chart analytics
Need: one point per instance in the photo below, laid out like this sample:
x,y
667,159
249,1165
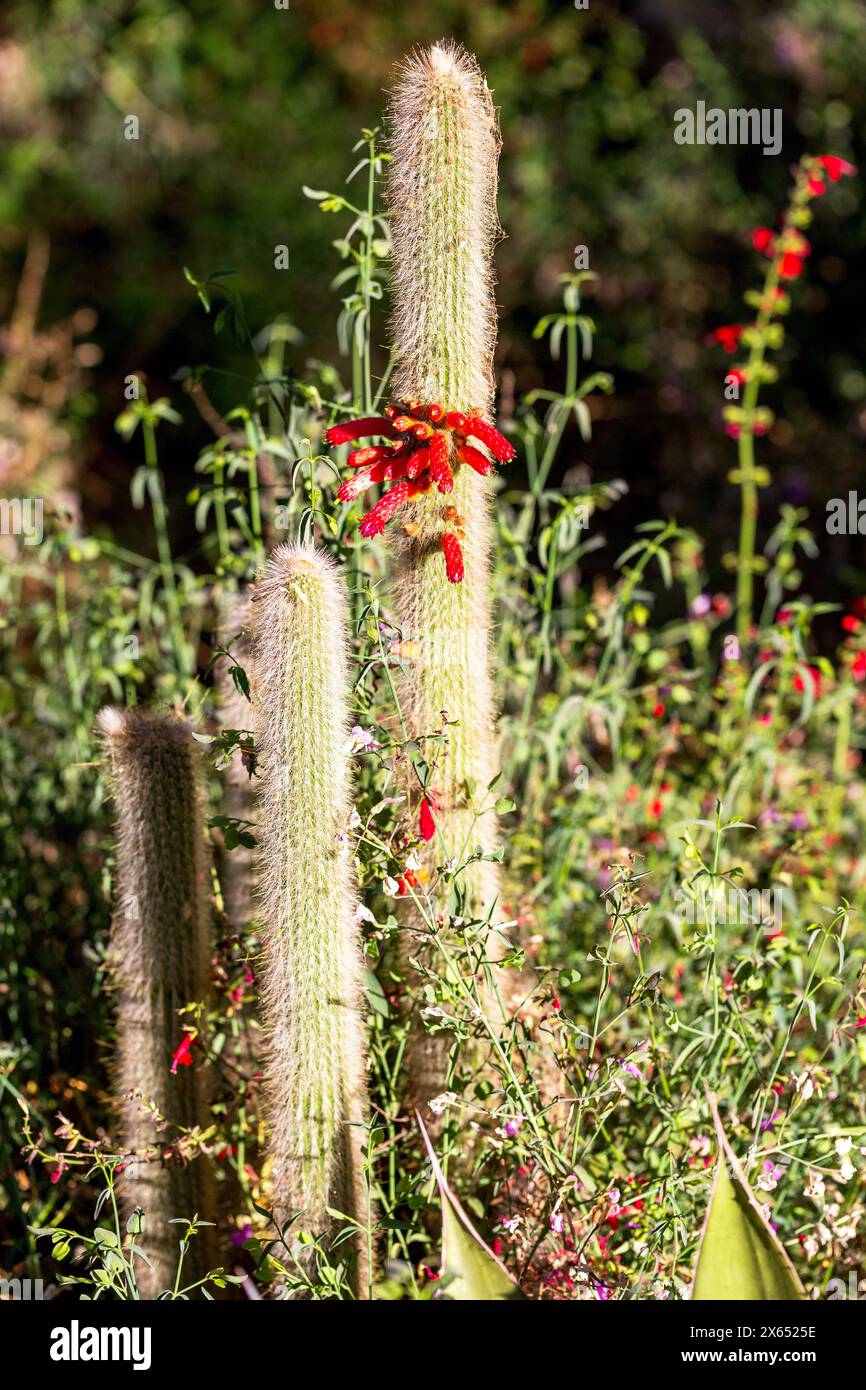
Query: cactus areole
x,y
427,445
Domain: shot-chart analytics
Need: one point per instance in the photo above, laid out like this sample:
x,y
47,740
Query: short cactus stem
x,y
312,967
160,962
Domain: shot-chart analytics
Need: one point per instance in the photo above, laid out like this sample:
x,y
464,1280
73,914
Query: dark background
x,y
240,104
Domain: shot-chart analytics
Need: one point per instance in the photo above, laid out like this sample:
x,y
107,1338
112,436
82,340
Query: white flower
x,y
846,1167
439,1103
804,1086
363,914
510,1223
413,863
814,1185
390,886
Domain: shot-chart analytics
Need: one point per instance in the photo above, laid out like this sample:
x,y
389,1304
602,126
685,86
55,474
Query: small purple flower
x,y
241,1234
701,606
799,821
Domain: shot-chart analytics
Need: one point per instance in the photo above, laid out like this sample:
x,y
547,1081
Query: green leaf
x,y
740,1257
470,1270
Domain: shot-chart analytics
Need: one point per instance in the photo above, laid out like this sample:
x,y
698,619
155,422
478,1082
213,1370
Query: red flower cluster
x,y
418,458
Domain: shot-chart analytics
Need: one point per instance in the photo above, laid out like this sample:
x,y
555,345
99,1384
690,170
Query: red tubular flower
x,y
374,523
420,457
360,429
467,453
354,486
360,458
835,167
418,463
728,335
498,445
438,466
763,240
791,266
183,1055
426,823
453,557
817,187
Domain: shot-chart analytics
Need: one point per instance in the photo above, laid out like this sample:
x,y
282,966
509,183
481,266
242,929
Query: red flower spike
x,y
491,438
763,240
435,412
474,457
835,167
423,431
426,823
453,557
438,467
455,421
360,429
374,523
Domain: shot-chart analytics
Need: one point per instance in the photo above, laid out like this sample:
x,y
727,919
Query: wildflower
x,y
834,167
791,266
858,668
424,453
728,335
658,710
183,1055
557,1222
763,240
768,1178
850,623
57,1173
241,1234
804,1086
846,1167
361,740
426,823
702,605
510,1224
815,1186
390,886
440,1103
363,914
512,1127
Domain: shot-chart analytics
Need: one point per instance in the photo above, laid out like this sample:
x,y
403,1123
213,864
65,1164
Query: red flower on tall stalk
x,y
728,335
422,453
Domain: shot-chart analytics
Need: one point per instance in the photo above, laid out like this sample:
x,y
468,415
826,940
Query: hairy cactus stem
x,y
159,961
312,969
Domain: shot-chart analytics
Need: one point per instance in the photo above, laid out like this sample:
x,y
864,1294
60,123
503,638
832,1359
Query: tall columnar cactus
x,y
159,959
312,970
442,202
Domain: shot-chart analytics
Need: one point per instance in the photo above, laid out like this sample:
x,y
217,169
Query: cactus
x,y
312,970
235,711
442,202
159,962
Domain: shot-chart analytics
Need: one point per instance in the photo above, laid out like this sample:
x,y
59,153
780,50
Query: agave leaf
x,y
470,1270
740,1257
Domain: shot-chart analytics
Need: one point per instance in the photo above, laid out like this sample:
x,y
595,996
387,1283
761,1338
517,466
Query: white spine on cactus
x,y
312,976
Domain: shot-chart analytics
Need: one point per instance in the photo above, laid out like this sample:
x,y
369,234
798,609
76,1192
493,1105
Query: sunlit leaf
x,y
740,1257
